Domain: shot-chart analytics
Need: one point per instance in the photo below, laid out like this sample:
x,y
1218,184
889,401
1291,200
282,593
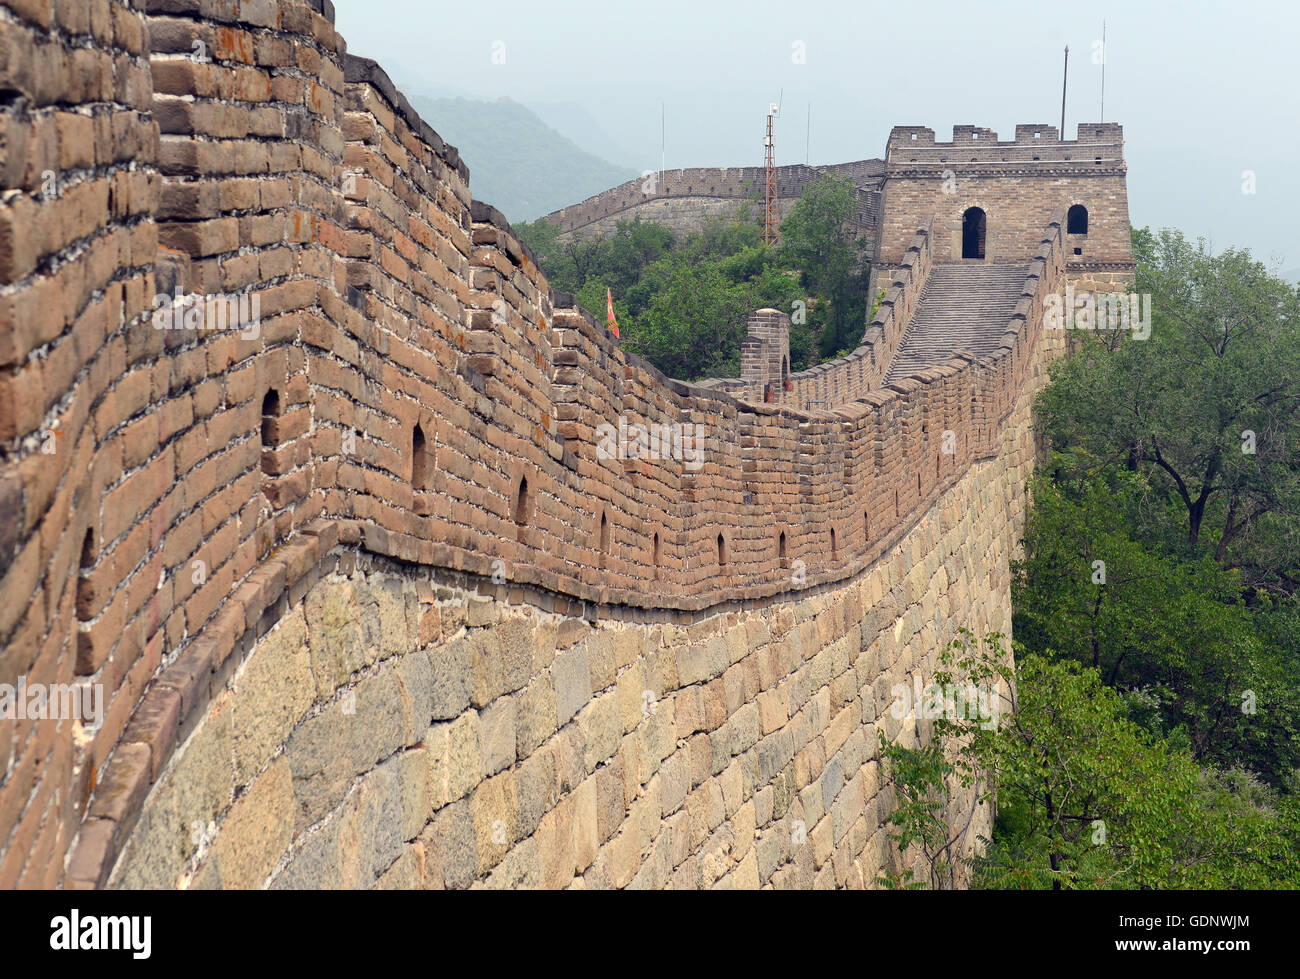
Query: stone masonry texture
x,y
395,729
366,604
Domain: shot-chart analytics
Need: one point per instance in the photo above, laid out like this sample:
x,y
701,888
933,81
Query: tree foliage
x,y
1173,634
1088,798
1207,408
684,302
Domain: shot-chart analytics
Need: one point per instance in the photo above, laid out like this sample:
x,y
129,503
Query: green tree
x,y
1174,632
694,324
1208,407
1090,799
669,290
920,820
817,239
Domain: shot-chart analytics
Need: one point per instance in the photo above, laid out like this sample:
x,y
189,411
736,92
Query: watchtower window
x,y
780,546
270,429
85,602
421,475
654,555
1076,220
974,228
722,551
604,538
523,503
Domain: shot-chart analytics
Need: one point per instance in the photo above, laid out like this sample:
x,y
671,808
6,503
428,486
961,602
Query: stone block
x,y
496,735
601,724
258,829
452,839
269,696
495,812
572,681
452,668
535,717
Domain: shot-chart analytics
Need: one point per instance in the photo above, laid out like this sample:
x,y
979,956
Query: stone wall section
x,y
396,728
684,199
77,249
683,215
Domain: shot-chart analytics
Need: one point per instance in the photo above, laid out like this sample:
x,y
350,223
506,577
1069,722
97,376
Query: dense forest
x,y
1150,731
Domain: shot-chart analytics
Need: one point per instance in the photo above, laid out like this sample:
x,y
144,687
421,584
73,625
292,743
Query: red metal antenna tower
x,y
771,216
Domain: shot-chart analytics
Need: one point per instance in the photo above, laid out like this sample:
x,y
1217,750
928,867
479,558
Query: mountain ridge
x,y
521,165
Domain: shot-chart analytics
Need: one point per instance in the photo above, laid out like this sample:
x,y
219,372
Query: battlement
x,y
1098,145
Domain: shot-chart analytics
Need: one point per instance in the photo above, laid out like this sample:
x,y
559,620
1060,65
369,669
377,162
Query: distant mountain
x,y
517,162
575,122
1292,275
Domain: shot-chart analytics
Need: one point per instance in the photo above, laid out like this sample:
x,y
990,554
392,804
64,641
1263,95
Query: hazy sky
x,y
1204,90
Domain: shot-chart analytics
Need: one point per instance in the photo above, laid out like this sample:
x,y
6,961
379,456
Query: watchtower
x,y
991,199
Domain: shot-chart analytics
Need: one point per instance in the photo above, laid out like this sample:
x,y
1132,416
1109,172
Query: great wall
x,y
367,605
682,199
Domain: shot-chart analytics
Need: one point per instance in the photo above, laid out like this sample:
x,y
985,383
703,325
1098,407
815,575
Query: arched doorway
x,y
1076,220
974,228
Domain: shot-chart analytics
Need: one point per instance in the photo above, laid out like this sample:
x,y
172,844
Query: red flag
x,y
609,312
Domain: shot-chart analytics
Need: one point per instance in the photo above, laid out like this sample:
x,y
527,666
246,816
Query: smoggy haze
x,y
1205,91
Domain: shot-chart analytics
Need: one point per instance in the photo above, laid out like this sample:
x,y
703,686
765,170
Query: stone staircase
x,y
964,306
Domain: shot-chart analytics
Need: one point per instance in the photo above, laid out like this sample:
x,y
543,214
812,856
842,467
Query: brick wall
x,y
412,389
82,400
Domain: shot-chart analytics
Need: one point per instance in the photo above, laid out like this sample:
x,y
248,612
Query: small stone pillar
x,y
765,353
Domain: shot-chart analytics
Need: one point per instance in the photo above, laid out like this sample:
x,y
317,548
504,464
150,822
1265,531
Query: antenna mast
x,y
1103,71
1064,77
771,216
